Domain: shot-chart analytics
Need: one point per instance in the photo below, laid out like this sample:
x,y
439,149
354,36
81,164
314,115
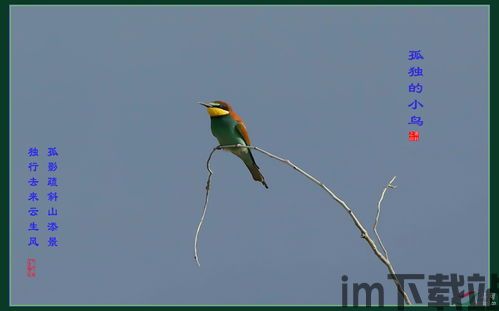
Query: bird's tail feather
x,y
255,172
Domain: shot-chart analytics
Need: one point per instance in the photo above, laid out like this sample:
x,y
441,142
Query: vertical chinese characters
x,y
34,199
38,224
52,196
415,87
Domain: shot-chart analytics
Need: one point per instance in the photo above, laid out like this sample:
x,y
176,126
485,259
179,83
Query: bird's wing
x,y
241,128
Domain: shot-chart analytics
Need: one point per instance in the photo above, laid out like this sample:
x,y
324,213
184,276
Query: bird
x,y
229,129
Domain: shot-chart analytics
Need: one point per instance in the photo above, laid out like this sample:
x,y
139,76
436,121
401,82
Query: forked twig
x,y
376,220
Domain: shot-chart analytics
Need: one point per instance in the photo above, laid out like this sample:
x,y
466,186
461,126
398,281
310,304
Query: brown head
x,y
217,108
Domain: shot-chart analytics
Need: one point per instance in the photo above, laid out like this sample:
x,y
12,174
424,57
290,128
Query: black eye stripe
x,y
219,105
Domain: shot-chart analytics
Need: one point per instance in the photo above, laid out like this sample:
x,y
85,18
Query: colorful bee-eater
x,y
228,127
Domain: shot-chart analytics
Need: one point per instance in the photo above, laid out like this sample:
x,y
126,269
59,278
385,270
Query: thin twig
x,y
364,234
208,184
376,220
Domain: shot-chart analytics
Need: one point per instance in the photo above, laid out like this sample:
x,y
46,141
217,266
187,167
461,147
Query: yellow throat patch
x,y
217,112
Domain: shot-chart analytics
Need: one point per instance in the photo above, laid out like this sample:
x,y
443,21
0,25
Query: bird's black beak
x,y
205,104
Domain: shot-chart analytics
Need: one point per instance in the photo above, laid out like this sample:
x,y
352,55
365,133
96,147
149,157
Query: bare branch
x,y
363,232
375,226
205,207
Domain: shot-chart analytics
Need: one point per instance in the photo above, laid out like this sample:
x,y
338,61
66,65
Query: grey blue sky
x,y
115,90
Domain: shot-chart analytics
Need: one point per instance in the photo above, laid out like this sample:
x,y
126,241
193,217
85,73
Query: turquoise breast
x,y
224,129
